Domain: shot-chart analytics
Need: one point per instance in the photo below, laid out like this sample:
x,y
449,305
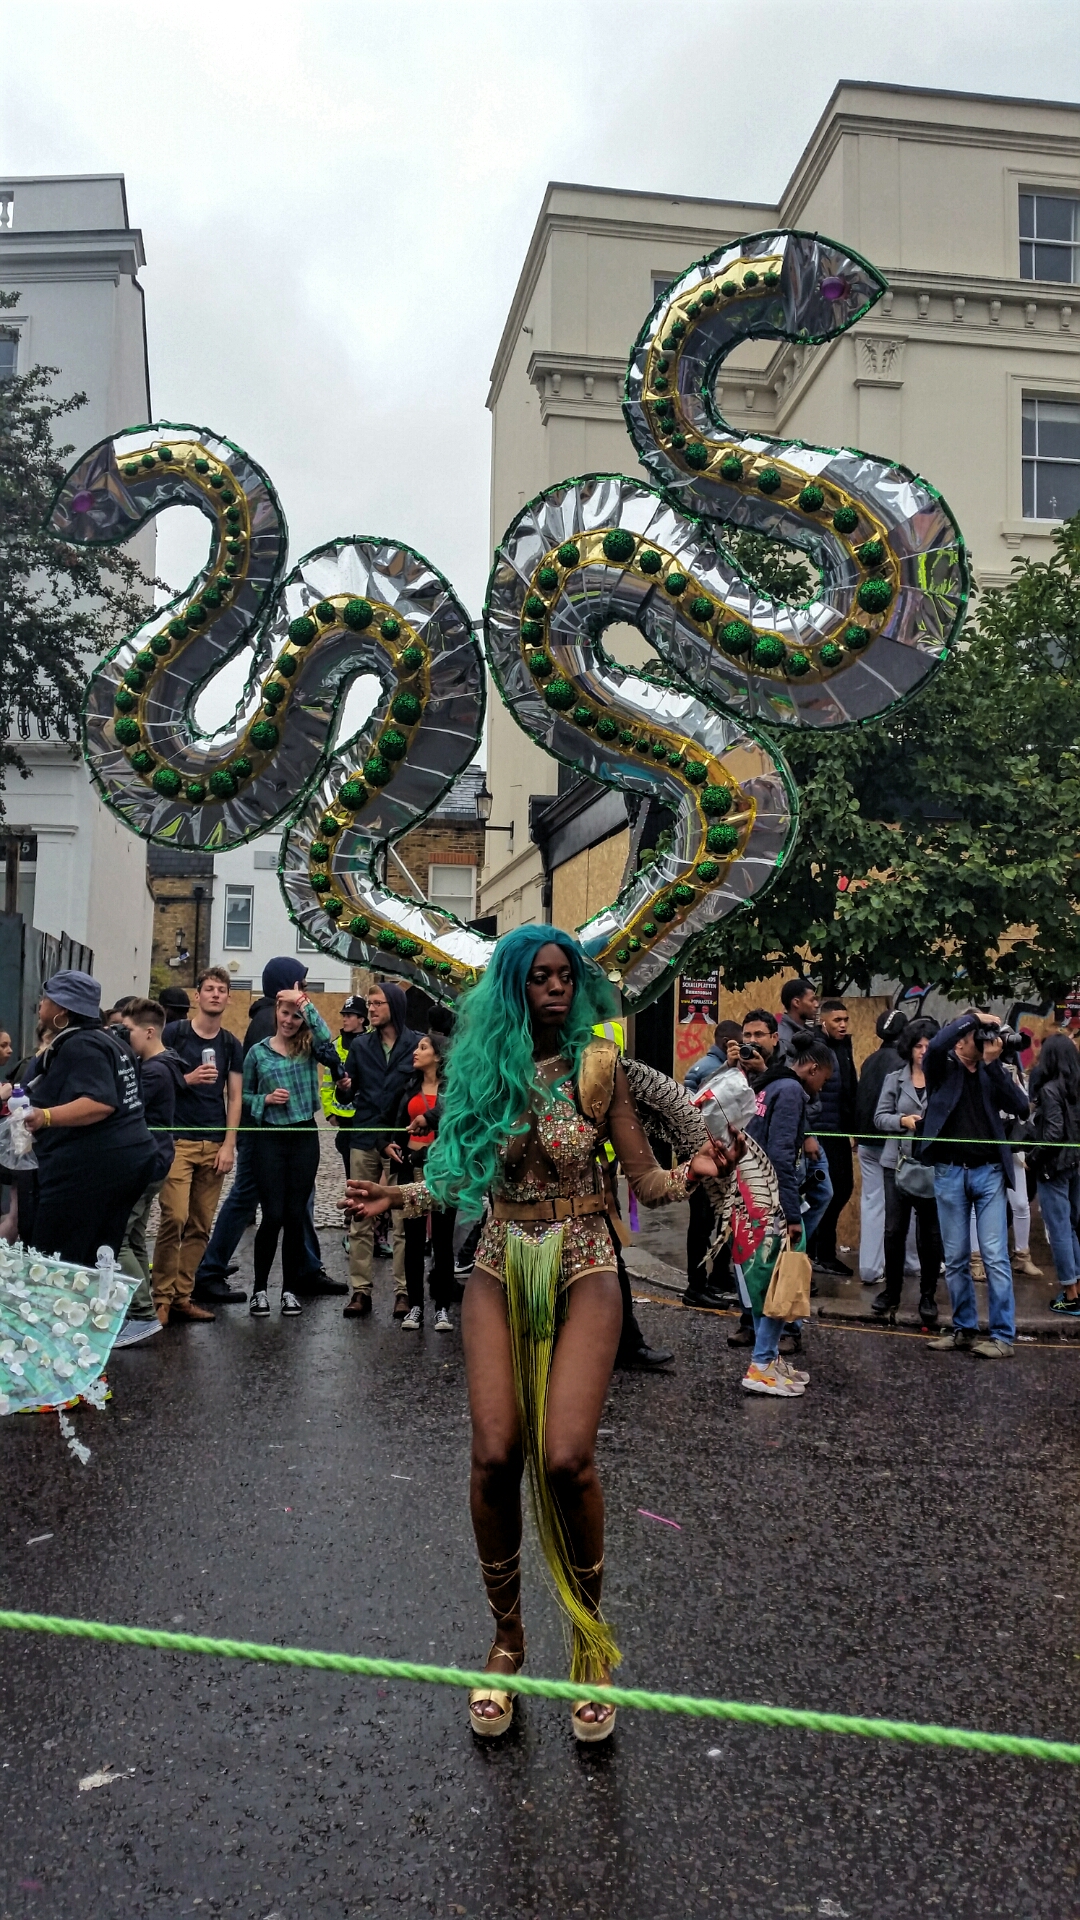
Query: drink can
x,y
209,1057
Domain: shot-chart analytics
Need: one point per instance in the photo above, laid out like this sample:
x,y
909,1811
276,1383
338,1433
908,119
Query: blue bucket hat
x,y
76,992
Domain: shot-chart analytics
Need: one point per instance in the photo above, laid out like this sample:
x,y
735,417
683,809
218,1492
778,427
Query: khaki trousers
x,y
367,1163
188,1202
134,1259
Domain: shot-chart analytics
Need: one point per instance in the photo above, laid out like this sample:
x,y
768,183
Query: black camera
x,y
982,1033
747,1053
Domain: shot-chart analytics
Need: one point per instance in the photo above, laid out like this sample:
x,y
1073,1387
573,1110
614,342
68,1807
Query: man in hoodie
x,y
876,1069
837,1118
378,1069
241,1206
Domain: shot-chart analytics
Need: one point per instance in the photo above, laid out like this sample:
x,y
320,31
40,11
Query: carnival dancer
x,y
530,1098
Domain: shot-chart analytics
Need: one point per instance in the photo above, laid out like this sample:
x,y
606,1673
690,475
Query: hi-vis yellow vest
x,y
611,1030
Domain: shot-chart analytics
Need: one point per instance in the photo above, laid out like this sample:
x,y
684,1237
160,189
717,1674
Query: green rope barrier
x,y
744,1712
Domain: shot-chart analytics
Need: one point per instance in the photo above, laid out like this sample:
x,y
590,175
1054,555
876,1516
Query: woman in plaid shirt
x,y
281,1096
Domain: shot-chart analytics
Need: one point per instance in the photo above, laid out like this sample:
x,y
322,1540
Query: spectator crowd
x,y
157,1101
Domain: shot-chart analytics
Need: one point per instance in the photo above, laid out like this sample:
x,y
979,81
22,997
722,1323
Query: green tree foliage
x,y
60,606
931,836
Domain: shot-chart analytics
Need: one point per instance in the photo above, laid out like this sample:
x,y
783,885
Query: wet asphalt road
x,y
901,1542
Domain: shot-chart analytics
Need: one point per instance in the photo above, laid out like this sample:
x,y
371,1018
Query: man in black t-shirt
x,y
207,1116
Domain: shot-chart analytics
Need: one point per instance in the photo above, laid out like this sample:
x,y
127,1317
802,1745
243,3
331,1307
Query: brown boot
x,y
358,1305
162,1315
187,1310
401,1305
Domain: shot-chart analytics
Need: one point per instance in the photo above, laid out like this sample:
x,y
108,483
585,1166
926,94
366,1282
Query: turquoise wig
x,y
491,1083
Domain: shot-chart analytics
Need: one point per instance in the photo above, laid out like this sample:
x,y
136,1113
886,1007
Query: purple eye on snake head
x,y
833,288
82,502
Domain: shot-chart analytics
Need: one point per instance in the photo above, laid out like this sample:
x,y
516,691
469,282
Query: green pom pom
x,y
195,614
443,967
274,693
232,517
729,289
696,454
127,732
212,595
659,382
665,909
407,946
377,771
407,709
696,771
669,341
540,665
393,745
750,279
682,893
769,651
329,825
286,663
811,499
708,298
409,659
264,735
678,328
333,908
534,608
133,678
388,940
731,467
234,546
874,595
583,716
678,441
326,612
856,638
195,791
845,519
145,662
619,545
706,870
320,850
871,553
161,645
390,628
634,945
675,760
142,761
716,800
131,469
560,694
771,280
568,554
831,655
701,609
622,955
532,632
769,480
147,460
243,767
302,630
124,700
352,794
676,583
693,309
359,924
736,636
321,882
798,664
358,614
606,727
228,494
223,783
547,579
179,629
200,465
627,736
649,561
658,749
648,927
217,480
721,839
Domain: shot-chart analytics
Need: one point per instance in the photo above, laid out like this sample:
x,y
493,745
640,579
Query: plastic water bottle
x,y
19,1105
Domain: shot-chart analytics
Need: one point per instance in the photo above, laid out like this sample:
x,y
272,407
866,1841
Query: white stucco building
x,y
68,251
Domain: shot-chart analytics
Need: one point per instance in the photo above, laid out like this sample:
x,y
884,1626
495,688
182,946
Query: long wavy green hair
x,y
490,1081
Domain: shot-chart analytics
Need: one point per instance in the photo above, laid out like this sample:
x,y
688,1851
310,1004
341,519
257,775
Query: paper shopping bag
x,y
788,1297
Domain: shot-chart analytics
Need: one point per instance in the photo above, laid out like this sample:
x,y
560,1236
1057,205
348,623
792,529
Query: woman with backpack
x,y
1055,1089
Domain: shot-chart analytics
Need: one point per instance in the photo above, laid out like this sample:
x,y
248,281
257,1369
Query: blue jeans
x,y
238,1213
816,1185
957,1190
1059,1201
767,1331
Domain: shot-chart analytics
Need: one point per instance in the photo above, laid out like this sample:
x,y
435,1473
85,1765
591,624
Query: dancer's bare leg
x,y
497,1461
580,1375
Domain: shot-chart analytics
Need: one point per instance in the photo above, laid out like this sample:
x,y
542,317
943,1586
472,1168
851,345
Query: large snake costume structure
x,y
697,732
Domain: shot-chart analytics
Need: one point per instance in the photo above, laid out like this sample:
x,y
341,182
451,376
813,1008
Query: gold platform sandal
x,y
498,1575
591,1667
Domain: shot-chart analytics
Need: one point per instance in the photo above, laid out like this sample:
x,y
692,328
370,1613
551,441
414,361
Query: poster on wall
x,y
697,1010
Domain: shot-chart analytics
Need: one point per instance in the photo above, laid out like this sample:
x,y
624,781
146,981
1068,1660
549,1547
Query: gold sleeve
x,y
651,1183
416,1199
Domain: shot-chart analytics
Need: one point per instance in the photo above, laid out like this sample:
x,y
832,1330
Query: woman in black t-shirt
x,y
94,1152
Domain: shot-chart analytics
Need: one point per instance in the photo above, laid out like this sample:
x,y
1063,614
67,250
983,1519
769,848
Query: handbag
x,y
788,1297
913,1179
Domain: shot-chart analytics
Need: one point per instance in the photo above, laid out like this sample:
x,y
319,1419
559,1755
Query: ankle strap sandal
x,y
490,1725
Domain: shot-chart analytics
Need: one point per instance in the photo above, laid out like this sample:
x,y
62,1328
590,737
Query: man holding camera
x,y
964,1141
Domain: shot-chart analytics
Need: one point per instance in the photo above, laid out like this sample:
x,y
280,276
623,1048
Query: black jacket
x,y
377,1081
837,1096
875,1072
780,1127
1056,1118
945,1076
160,1080
415,1159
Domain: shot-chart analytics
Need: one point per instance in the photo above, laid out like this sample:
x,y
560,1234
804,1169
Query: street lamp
x,y
483,809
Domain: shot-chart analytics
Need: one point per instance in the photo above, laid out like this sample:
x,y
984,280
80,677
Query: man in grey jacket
x,y
800,1002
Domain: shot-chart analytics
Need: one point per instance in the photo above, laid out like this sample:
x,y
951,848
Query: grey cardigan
x,y
899,1095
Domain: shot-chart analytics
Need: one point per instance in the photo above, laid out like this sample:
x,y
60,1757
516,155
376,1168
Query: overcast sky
x,y
336,199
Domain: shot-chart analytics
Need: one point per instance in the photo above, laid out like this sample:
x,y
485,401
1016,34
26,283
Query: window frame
x,y
1036,459
239,892
453,866
1034,241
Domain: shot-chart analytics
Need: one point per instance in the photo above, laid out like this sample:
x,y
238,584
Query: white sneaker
x,y
768,1379
260,1304
443,1322
413,1320
789,1372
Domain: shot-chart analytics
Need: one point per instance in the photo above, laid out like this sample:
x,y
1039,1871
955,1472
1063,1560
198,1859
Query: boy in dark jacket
x,y
837,1118
378,1069
161,1075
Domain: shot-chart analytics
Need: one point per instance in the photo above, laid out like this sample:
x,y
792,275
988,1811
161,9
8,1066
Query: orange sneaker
x,y
769,1379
